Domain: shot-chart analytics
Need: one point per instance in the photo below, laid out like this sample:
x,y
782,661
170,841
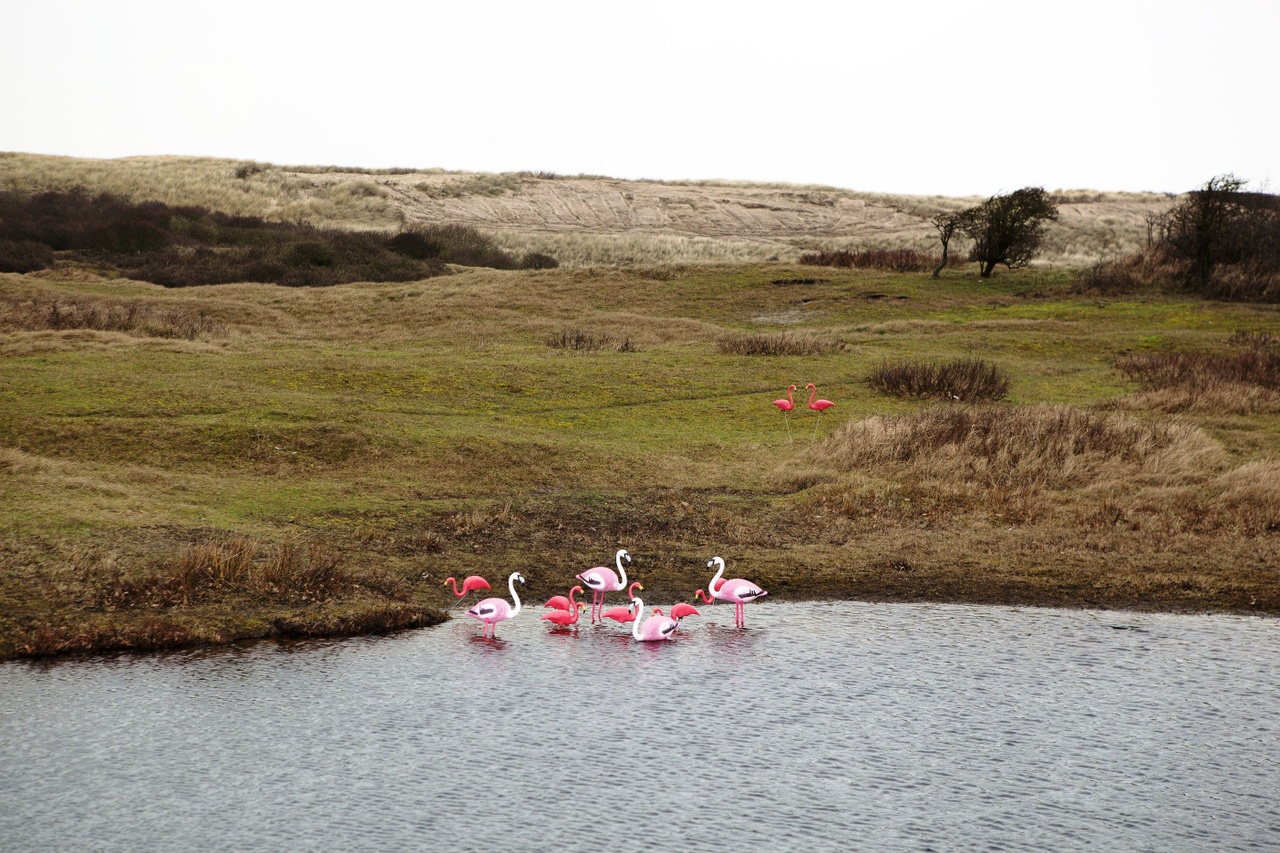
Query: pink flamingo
x,y
491,611
785,406
559,602
564,618
681,610
602,580
472,582
656,627
623,614
701,594
737,590
818,406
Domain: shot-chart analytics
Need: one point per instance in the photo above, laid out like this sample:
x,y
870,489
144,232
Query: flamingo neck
x,y
511,585
635,624
711,587
789,390
572,603
812,393
617,559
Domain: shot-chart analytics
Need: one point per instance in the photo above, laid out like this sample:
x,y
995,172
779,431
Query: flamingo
x,y
623,614
559,602
564,618
491,611
785,406
681,610
737,590
818,406
472,582
701,594
602,580
656,627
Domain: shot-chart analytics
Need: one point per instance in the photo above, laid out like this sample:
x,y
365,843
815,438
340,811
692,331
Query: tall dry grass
x,y
35,312
776,343
969,379
1244,380
293,571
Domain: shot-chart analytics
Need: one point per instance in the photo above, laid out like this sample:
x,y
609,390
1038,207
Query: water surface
x,y
830,726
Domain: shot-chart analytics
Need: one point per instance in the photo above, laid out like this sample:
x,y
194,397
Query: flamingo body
x,y
787,404
602,579
817,405
559,602
472,582
623,614
564,618
653,629
491,611
736,590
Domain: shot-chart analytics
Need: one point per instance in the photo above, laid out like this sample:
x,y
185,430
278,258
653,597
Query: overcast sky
x,y
969,97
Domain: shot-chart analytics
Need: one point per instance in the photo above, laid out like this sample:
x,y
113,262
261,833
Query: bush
x,y
465,246
968,379
777,343
895,260
24,256
577,339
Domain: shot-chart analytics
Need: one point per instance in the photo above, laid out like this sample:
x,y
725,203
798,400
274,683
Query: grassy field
x,y
260,461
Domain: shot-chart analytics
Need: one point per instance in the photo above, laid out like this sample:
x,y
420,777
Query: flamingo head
x,y
518,576
622,554
576,589
811,385
712,562
631,590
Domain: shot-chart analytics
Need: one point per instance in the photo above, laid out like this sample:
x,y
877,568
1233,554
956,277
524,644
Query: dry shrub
x,y
777,343
1243,381
894,260
574,338
138,317
968,379
292,572
1042,446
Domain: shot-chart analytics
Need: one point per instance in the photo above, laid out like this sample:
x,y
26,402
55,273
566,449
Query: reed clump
x,y
138,317
1243,380
892,259
580,340
776,343
967,379
291,572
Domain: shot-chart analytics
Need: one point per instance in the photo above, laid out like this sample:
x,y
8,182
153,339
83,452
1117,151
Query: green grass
x,y
374,417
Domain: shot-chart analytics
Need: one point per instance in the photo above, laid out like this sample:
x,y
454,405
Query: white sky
x,y
967,97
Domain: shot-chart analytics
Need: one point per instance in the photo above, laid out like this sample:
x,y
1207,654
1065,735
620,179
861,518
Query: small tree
x,y
1007,229
946,223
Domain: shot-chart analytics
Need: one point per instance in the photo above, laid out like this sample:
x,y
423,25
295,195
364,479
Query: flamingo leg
x,y
787,420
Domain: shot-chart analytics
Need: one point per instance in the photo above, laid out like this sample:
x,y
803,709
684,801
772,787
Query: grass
x,y
967,379
319,460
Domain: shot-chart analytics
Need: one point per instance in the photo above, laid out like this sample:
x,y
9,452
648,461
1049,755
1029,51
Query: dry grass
x,y
969,379
580,340
776,343
34,312
1245,380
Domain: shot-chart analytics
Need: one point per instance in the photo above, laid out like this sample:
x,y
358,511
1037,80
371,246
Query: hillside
x,y
581,220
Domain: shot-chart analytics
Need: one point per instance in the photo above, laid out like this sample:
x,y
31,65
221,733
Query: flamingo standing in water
x,y
656,627
818,406
623,614
564,618
737,590
491,611
785,406
559,602
472,582
683,609
601,580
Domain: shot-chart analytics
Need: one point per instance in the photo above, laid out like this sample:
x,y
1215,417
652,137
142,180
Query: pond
x,y
820,726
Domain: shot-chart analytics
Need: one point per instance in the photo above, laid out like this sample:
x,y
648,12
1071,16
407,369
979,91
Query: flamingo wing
x,y
619,614
559,602
474,582
740,590
600,579
682,610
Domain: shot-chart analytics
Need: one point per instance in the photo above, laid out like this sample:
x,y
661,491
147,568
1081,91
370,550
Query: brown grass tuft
x,y
779,343
577,339
138,317
967,379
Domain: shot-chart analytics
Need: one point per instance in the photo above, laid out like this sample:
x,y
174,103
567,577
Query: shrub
x,y
24,256
968,379
895,260
465,246
576,339
776,343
